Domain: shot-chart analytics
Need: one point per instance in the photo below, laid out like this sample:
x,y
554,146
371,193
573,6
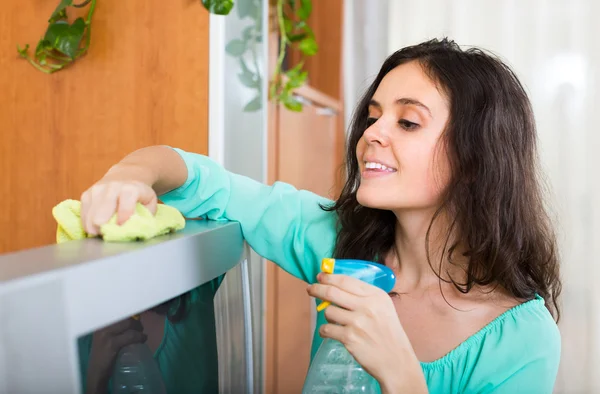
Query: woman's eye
x,y
407,125
371,122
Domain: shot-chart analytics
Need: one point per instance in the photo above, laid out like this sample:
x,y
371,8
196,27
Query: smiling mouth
x,y
378,167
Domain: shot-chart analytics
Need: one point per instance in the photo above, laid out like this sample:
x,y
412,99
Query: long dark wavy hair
x,y
494,199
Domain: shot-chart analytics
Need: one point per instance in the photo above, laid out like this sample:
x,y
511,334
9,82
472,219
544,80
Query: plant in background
x,y
63,43
294,32
219,7
245,50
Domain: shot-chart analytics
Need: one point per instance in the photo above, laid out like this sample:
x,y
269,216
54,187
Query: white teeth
x,y
372,165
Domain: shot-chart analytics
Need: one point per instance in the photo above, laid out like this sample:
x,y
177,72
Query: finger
x,y
333,294
149,199
89,226
337,315
347,283
124,325
126,203
337,332
86,202
128,337
106,205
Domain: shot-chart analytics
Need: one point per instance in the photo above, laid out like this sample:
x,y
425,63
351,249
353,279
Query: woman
x,y
442,188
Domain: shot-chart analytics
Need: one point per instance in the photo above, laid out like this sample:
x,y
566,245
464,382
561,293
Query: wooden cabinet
x,y
308,144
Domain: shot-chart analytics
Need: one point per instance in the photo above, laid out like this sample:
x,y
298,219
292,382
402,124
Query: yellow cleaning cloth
x,y
142,225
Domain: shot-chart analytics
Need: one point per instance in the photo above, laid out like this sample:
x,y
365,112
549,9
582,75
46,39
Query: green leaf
x,y
287,25
23,52
236,47
297,37
248,80
247,33
292,103
244,67
61,11
219,7
42,46
305,9
66,38
308,46
254,105
293,72
247,77
296,81
246,8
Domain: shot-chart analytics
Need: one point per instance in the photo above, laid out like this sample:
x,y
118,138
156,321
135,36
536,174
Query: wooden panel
x,y
307,159
143,82
307,149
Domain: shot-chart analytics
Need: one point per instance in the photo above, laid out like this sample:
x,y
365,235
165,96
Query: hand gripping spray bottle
x,y
136,371
334,370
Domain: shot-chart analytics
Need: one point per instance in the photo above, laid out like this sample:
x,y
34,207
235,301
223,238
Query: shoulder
x,y
520,350
529,330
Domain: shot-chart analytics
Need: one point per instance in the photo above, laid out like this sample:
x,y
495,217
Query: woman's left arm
x,y
364,319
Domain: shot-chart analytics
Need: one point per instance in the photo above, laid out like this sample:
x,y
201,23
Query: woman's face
x,y
401,165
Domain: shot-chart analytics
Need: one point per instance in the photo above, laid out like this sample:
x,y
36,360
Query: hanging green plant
x,y
218,7
63,43
245,49
294,32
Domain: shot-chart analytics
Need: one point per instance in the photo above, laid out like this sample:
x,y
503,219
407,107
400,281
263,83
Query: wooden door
x,y
305,149
306,146
143,82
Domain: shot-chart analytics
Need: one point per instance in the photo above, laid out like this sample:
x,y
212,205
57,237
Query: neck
x,y
410,257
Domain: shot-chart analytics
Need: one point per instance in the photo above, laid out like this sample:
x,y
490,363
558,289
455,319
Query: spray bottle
x,y
136,371
333,369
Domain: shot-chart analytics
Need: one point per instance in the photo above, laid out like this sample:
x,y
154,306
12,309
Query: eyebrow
x,y
404,101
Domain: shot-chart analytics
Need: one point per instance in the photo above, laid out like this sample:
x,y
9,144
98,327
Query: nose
x,y
376,134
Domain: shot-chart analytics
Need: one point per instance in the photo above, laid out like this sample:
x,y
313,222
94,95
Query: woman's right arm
x,y
280,223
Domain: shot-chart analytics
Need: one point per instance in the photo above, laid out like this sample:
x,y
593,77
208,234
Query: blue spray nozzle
x,y
370,272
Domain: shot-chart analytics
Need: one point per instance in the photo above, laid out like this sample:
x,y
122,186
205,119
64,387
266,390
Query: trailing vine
x,y
294,32
63,43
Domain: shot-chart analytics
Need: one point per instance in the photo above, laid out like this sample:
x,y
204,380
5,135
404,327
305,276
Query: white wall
x,y
553,47
365,48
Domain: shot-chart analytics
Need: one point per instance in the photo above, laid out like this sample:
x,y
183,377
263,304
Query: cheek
x,y
436,171
360,149
424,174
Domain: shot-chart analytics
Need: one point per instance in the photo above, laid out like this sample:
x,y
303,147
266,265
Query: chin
x,y
373,199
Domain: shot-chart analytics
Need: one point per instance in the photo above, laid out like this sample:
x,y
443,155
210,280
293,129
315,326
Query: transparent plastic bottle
x,y
136,371
335,371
